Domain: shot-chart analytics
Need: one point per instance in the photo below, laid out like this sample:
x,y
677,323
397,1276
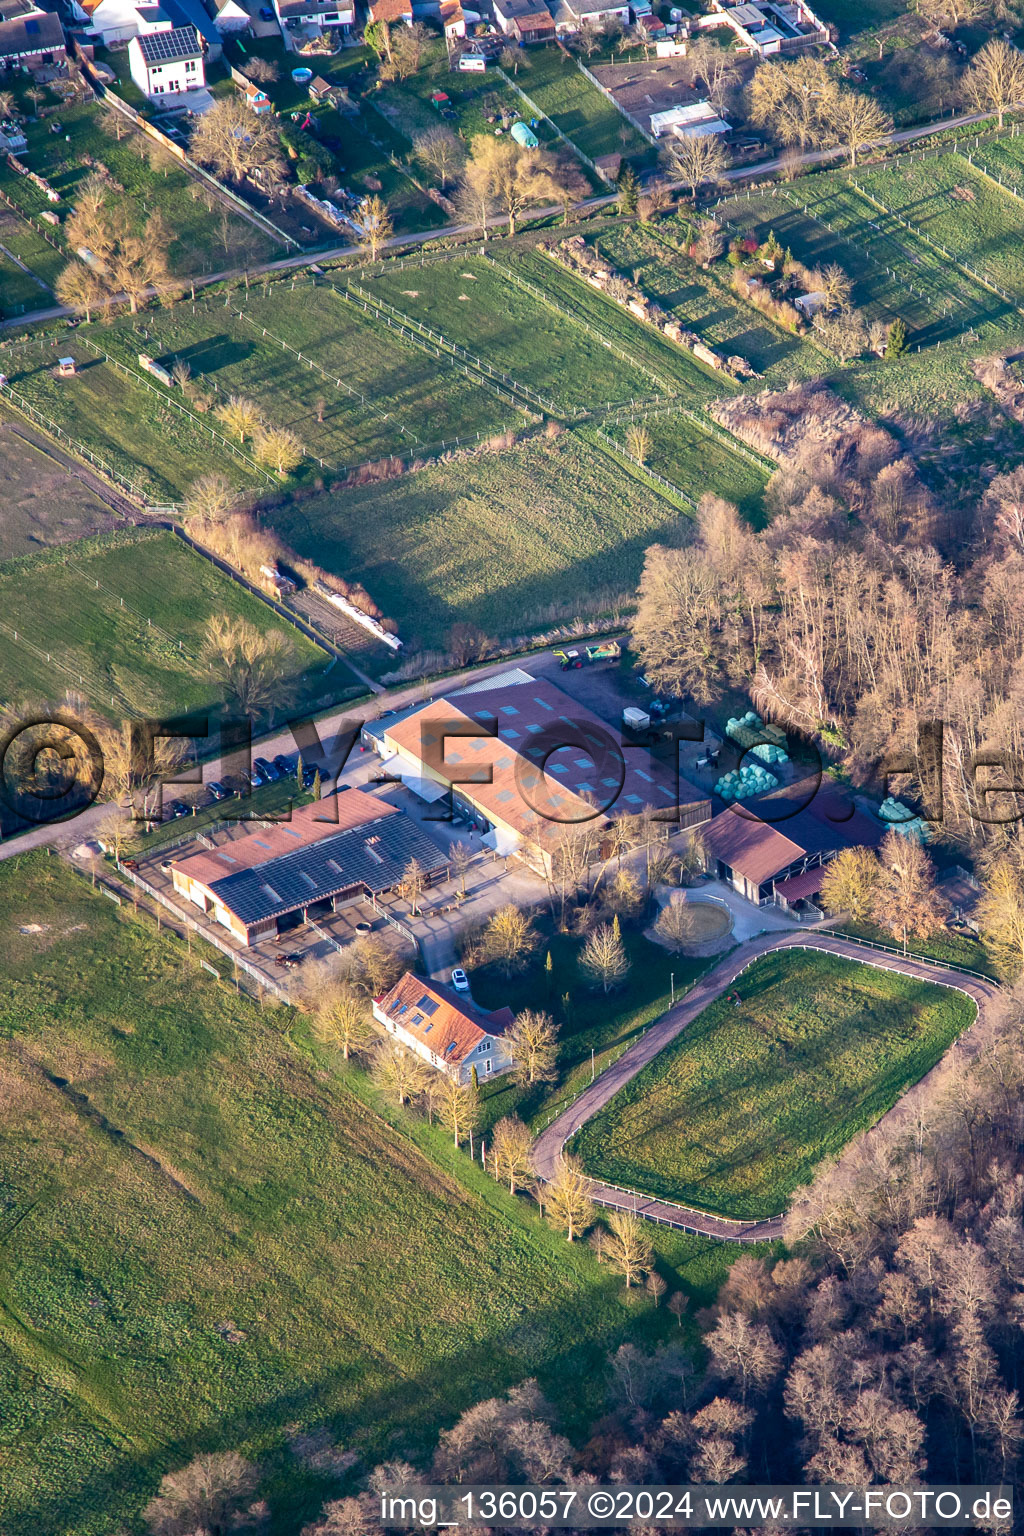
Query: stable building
x,y
345,848
522,761
448,1031
774,851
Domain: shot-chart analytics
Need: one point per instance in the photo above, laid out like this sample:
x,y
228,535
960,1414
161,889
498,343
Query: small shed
x,y
524,136
66,367
320,89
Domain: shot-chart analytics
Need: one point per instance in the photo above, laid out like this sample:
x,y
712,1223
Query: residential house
x,y
522,761
167,63
232,18
348,847
766,27
30,38
306,20
112,22
453,18
592,13
526,21
446,1029
391,11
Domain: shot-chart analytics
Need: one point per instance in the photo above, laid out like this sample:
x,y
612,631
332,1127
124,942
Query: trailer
x,y
609,650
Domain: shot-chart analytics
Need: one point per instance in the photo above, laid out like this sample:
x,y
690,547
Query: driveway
x,y
547,1149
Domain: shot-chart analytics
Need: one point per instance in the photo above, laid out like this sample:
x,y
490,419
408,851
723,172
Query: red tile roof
x,y
434,1016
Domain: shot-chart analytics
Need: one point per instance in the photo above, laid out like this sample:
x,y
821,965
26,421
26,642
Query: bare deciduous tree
x,y
534,1041
511,1146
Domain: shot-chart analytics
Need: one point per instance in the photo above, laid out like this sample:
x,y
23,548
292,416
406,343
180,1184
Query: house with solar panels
x,y
344,848
448,1031
167,63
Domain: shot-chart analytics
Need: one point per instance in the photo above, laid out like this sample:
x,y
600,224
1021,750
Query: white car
x,y
460,981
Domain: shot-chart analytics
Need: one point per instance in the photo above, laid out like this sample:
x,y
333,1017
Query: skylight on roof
x,y
268,890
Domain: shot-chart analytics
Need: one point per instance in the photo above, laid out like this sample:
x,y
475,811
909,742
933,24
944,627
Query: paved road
x,y
405,242
548,1146
66,834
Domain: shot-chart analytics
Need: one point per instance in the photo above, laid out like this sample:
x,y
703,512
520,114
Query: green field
x,y
18,290
701,300
698,462
562,357
668,363
128,426
211,1242
825,219
950,204
204,235
579,109
509,542
140,659
380,394
741,1108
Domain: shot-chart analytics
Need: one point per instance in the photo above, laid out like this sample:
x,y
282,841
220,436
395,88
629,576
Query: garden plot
x,y
18,290
124,424
698,461
24,241
475,303
702,302
204,235
950,204
892,272
579,109
739,1109
509,542
121,619
377,394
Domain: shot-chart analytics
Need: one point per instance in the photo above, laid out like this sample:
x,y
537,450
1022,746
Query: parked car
x,y
308,776
267,769
284,765
178,808
266,14
460,981
218,791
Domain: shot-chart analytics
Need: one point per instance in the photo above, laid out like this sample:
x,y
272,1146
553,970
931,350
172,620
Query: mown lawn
x,y
586,1018
144,658
509,542
579,109
213,1240
741,1108
954,206
699,462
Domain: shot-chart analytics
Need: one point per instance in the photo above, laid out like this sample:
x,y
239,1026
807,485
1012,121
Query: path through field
x,y
548,1146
